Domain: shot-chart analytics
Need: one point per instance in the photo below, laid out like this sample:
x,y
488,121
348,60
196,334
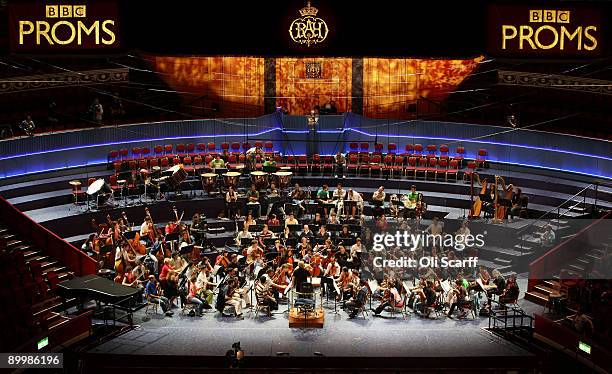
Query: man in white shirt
x,y
357,198
338,197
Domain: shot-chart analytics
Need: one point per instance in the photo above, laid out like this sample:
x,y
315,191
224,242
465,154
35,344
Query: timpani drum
x,y
231,179
282,178
259,179
179,175
208,181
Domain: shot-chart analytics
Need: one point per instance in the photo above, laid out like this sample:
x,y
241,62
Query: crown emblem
x,y
309,10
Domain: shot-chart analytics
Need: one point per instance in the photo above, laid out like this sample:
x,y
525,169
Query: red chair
x,y
431,150
168,150
180,150
269,147
453,169
113,183
364,148
246,146
378,148
291,162
146,152
364,164
191,149
353,163
422,167
391,147
471,167
443,152
302,164
113,155
481,157
328,164
235,147
408,150
442,167
258,144
225,146
418,150
432,167
201,147
353,147
412,165
460,154
388,165
315,163
232,160
136,152
123,153
187,165
143,164
241,158
211,147
398,165
375,165
164,163
117,165
133,165
159,150
176,161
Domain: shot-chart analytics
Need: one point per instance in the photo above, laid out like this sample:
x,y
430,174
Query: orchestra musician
x,y
273,221
244,236
156,296
340,161
391,297
460,295
355,196
519,202
378,200
265,234
217,163
234,296
192,296
323,197
291,220
298,196
253,200
255,255
204,285
333,218
331,271
231,202
338,197
264,294
354,304
410,202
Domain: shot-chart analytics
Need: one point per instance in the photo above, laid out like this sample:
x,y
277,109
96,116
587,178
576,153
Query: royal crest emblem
x,y
308,29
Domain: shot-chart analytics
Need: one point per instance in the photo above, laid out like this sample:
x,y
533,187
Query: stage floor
x,y
213,335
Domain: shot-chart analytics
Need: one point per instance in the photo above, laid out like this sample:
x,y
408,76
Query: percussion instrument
x,y
282,178
231,179
178,176
285,168
144,176
259,179
208,181
239,166
409,204
75,183
97,186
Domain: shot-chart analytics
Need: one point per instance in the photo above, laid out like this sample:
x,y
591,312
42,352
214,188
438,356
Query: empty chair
x,y
443,151
391,148
481,157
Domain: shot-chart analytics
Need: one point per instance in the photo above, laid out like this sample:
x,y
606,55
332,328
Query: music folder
x,y
336,286
216,270
446,287
373,284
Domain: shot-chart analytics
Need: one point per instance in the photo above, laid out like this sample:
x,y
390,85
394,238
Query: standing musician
x,y
300,276
251,157
323,197
231,203
340,161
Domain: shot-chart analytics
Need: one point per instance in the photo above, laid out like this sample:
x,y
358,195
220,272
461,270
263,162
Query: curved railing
x,y
543,150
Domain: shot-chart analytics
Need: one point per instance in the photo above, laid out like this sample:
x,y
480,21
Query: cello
x,y
476,205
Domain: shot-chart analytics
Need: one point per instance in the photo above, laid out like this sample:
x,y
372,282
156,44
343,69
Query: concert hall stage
x,y
375,342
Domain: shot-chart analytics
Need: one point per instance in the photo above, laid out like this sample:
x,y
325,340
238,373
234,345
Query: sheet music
x,y
373,284
240,257
336,287
445,286
216,270
288,288
406,286
483,286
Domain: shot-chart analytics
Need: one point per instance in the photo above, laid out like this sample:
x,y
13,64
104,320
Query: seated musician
x,y
205,286
326,248
381,223
322,235
154,295
146,230
427,297
317,220
378,198
488,200
253,199
358,301
89,246
178,262
197,224
511,292
345,284
333,219
171,227
291,220
338,197
460,294
343,257
233,296
265,234
435,227
274,203
231,203
140,273
340,161
263,293
331,271
410,201
255,254
185,239
269,165
307,233
123,256
244,237
273,221
217,163
345,233
193,298
461,233
249,220
168,279
298,196
391,297
519,202
355,196
303,246
287,234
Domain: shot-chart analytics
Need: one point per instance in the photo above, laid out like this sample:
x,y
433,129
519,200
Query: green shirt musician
x,y
323,193
217,163
413,196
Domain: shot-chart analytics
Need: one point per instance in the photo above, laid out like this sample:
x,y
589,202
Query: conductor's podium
x,y
309,319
